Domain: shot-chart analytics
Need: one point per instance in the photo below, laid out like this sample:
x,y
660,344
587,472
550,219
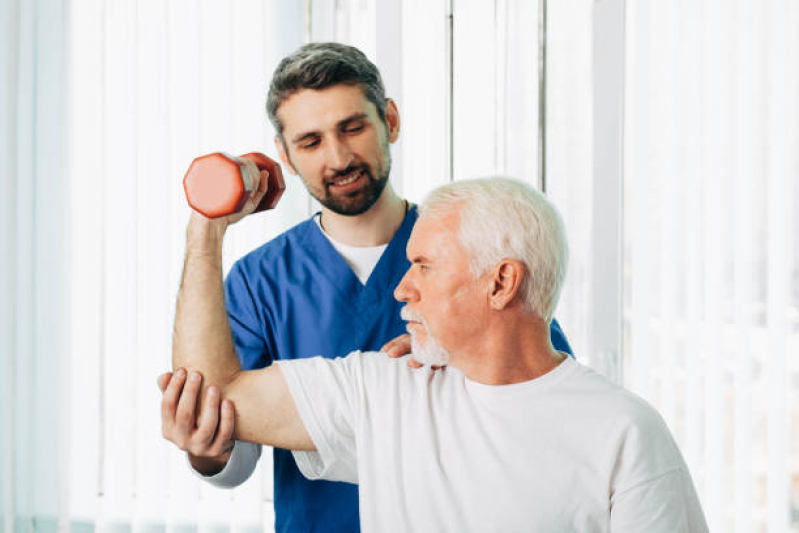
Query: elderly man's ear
x,y
506,279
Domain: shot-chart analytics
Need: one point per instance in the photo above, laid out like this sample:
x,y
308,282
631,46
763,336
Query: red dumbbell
x,y
217,186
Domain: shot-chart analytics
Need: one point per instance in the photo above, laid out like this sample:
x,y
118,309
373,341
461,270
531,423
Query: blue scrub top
x,y
296,297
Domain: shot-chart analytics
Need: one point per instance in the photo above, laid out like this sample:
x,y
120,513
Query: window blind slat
x,y
569,161
153,329
183,129
669,177
24,498
86,252
425,109
119,262
781,97
517,84
747,133
475,111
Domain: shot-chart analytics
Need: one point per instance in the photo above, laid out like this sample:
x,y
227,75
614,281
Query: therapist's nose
x,y
339,155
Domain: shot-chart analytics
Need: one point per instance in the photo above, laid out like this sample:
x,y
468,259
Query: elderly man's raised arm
x,y
203,345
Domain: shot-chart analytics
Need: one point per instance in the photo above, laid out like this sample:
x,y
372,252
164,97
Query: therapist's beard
x,y
430,352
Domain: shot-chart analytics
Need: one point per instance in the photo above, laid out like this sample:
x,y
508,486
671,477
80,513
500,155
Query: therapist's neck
x,y
374,227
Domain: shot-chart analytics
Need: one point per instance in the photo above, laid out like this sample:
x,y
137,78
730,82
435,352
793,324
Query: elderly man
x,y
511,435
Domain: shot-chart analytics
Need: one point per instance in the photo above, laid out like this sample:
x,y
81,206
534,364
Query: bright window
x,y
104,104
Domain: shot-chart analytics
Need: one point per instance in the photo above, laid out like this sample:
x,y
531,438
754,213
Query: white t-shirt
x,y
434,451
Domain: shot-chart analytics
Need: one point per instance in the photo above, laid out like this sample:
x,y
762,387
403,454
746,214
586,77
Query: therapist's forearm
x,y
202,339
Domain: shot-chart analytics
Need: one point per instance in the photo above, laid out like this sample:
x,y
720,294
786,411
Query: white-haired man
x,y
512,435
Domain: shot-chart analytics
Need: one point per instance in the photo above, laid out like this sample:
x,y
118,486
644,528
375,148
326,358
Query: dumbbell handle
x,y
216,185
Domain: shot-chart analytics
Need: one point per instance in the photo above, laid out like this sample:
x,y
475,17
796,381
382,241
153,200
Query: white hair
x,y
503,218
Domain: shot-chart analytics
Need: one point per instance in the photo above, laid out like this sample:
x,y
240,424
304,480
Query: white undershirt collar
x,y
361,259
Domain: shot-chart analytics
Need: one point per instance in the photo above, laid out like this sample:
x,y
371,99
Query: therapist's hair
x,y
321,65
503,218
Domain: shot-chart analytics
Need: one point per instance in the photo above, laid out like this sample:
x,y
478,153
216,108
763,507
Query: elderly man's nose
x,y
398,292
403,292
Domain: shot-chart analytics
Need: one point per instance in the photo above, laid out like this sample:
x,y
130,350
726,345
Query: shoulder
x,y
373,365
355,361
356,375
371,370
597,387
635,438
617,410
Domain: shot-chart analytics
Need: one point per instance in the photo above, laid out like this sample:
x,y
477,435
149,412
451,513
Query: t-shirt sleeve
x,y
327,395
239,467
666,504
245,324
652,490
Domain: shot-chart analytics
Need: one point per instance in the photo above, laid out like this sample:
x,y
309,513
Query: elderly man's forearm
x,y
202,340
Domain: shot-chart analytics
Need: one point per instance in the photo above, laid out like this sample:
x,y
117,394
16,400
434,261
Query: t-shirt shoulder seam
x,y
307,414
650,480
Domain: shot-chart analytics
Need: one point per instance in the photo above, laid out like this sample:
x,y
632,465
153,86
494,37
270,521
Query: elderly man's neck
x,y
373,228
513,349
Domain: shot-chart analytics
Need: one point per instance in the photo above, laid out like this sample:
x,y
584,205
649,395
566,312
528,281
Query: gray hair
x,y
321,65
503,218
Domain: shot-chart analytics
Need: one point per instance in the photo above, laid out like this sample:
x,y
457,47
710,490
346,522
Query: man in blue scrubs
x,y
323,287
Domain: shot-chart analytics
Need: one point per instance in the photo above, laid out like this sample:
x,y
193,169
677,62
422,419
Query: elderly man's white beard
x,y
431,352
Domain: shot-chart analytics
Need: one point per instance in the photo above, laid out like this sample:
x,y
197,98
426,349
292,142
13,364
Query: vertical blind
x,y
152,85
712,245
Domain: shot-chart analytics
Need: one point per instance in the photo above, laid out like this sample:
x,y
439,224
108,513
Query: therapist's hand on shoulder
x,y
207,437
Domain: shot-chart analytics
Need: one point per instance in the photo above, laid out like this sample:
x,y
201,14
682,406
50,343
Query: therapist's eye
x,y
353,128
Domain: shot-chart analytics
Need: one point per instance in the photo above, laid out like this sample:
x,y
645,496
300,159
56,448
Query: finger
x,y
260,182
413,363
260,191
398,346
263,186
388,349
224,435
188,402
169,400
209,418
163,381
252,171
387,346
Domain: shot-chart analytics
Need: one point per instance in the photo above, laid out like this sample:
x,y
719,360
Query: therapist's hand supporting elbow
x,y
206,436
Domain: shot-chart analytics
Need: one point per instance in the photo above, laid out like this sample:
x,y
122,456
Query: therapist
x,y
324,287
